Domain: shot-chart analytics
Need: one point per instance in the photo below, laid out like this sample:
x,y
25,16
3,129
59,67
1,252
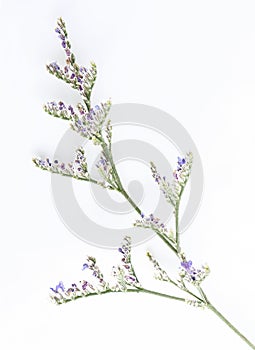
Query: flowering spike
x,y
153,223
59,110
160,274
173,192
105,170
125,273
79,77
89,124
191,274
90,264
76,169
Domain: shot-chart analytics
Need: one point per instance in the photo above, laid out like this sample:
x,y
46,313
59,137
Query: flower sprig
x,y
173,191
79,77
78,169
92,123
123,273
193,275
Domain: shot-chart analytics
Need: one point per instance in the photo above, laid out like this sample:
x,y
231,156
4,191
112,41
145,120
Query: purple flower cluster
x,y
172,192
90,264
125,273
89,124
180,163
105,170
79,77
76,169
61,295
59,110
62,34
182,173
151,222
189,273
59,286
104,164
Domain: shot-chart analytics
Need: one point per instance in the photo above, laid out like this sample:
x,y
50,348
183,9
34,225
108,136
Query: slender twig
x,y
136,290
177,238
230,325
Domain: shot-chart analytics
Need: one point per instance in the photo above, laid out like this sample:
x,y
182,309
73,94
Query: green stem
x,y
177,226
125,194
213,309
203,295
137,290
117,178
177,206
164,239
148,291
77,178
176,251
129,199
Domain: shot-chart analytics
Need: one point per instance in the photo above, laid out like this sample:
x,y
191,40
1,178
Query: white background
x,y
193,59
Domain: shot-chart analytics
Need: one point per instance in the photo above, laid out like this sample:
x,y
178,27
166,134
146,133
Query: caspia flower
x,y
87,123
77,169
173,191
79,77
191,274
123,273
151,222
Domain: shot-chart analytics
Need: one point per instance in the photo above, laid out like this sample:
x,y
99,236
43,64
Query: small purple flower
x,y
130,278
181,161
121,250
175,175
89,116
63,44
70,108
68,52
57,30
55,66
85,266
186,265
61,106
72,76
58,286
84,285
83,69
